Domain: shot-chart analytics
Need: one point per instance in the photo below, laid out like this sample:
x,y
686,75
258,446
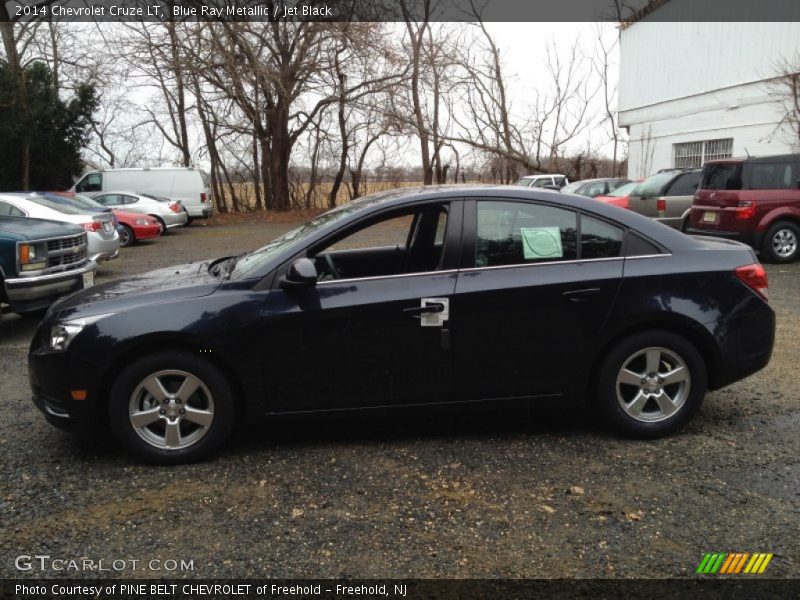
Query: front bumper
x,y
64,386
26,294
146,232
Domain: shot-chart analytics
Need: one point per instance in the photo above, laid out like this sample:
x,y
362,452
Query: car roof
x,y
758,159
542,175
411,195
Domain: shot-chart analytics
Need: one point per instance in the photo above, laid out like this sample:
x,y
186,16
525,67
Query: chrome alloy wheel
x,y
784,243
653,384
171,409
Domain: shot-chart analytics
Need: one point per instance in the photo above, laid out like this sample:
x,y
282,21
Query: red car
x,y
619,197
752,200
134,227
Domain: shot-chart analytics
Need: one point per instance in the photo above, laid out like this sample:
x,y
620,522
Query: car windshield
x,y
652,186
159,198
571,187
84,202
722,176
249,263
623,190
525,181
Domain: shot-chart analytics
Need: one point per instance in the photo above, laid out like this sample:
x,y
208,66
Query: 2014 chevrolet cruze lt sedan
x,y
448,296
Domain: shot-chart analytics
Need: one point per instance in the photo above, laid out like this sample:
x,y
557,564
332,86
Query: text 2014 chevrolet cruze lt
x,y
417,297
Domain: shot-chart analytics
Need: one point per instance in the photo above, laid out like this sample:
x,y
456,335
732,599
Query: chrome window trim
x,y
376,277
472,269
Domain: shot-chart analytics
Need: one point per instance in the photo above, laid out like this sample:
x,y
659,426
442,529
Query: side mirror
x,y
302,274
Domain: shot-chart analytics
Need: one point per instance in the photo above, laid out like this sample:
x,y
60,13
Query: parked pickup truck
x,y
40,261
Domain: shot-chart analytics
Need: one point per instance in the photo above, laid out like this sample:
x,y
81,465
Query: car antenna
x,y
746,152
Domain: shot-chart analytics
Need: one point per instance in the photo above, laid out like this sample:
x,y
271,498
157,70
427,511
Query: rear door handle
x,y
581,295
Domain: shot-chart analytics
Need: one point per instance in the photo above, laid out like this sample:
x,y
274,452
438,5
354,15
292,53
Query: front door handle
x,y
432,307
581,295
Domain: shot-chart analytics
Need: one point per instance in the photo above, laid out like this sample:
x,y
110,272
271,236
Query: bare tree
x,y
785,89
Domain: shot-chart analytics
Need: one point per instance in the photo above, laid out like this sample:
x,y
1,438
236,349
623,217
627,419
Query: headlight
x,y
62,333
28,259
143,221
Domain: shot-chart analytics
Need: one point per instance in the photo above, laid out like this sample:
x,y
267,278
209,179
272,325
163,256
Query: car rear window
x,y
685,185
722,176
653,186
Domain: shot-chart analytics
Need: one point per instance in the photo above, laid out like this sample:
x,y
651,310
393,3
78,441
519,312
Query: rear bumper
x,y
745,345
198,212
101,249
751,238
40,291
174,219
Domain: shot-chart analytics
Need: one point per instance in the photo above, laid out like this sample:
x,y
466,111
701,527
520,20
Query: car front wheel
x,y
171,407
126,236
651,384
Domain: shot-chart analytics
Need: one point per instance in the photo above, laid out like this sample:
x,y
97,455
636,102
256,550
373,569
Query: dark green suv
x,y
41,261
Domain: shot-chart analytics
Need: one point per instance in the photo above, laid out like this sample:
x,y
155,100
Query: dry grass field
x,y
305,203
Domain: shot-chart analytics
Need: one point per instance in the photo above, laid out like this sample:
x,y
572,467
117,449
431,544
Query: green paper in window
x,y
541,242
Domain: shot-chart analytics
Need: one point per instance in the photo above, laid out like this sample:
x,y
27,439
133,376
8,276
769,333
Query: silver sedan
x,y
167,212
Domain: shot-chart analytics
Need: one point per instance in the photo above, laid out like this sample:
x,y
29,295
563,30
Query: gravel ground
x,y
547,494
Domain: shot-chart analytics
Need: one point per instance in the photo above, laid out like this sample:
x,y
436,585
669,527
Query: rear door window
x,y
599,239
770,176
722,176
685,185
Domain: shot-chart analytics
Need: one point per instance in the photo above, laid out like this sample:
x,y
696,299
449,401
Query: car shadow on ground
x,y
369,430
313,432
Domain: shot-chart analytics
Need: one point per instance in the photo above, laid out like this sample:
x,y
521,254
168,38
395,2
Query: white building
x,y
690,92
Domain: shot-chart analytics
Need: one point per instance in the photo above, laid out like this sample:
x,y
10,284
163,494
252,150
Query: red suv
x,y
753,200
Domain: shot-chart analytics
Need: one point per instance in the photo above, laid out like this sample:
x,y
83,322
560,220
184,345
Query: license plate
x,y
107,227
709,217
88,279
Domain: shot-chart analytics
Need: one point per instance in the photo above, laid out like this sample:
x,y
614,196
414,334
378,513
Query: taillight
x,y
755,277
175,207
202,197
746,209
661,206
93,226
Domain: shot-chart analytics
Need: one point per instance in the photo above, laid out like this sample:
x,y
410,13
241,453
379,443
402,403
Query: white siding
x,y
682,82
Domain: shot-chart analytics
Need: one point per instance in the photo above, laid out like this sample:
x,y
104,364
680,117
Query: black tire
x,y
653,421
127,238
781,231
128,385
162,223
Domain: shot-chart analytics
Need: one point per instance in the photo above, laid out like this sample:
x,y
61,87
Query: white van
x,y
187,184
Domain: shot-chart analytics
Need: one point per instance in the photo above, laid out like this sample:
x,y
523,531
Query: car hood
x,y
36,229
164,285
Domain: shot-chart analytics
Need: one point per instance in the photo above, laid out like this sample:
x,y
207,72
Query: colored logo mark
x,y
734,563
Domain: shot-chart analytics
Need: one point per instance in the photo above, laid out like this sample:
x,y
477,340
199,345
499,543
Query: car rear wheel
x,y
126,236
781,242
171,407
651,384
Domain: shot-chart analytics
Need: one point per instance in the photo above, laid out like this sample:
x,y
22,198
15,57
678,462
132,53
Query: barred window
x,y
695,154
